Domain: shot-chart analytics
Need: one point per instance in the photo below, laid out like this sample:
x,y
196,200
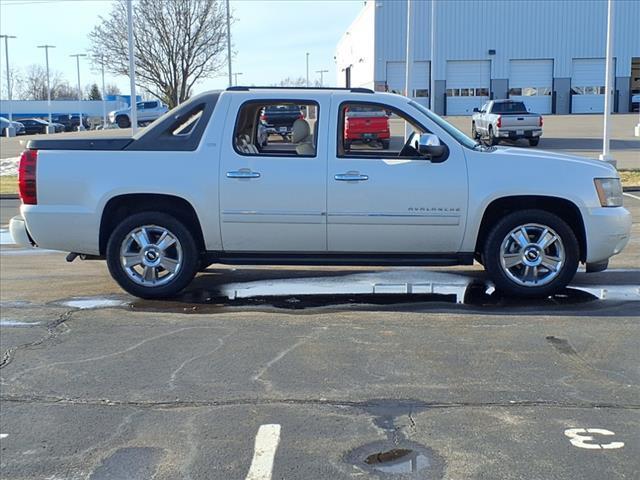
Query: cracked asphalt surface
x,y
173,390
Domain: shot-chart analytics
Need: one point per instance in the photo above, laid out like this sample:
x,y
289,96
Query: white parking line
x,y
3,435
631,195
264,452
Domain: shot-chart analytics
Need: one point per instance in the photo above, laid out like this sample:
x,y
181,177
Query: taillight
x,y
499,122
263,118
301,117
541,122
27,177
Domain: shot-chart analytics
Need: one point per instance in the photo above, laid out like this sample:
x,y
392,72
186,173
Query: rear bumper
x,y
18,231
513,134
608,231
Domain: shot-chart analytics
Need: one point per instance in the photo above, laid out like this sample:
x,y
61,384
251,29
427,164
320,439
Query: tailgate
x,y
519,121
367,125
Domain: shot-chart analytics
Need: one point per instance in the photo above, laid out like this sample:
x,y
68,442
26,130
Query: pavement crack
x,y
53,331
169,404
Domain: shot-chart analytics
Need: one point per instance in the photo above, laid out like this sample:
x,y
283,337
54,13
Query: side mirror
x,y
429,145
476,110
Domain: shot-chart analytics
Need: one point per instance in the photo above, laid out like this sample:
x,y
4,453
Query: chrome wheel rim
x,y
151,255
532,255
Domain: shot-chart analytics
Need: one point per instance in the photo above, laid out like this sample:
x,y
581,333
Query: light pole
x,y
235,76
10,131
322,72
432,62
78,55
605,155
104,99
49,128
307,69
229,43
408,61
132,69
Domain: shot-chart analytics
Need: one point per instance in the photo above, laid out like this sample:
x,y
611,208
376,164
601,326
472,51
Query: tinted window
x,y
150,104
509,107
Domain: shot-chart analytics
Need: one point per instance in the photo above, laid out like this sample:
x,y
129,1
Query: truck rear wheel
x,y
531,253
533,142
385,144
152,255
493,140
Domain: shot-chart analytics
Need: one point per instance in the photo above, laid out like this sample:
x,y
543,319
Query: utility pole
x,y
307,69
235,75
80,125
432,62
605,155
49,128
132,69
229,43
10,131
322,72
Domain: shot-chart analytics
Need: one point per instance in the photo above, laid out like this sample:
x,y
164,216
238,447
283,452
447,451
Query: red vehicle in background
x,y
366,124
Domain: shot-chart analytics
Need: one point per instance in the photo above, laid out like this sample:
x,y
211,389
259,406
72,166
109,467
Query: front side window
x,y
277,128
375,130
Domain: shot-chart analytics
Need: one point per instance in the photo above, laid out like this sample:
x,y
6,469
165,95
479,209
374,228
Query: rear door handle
x,y
243,174
351,177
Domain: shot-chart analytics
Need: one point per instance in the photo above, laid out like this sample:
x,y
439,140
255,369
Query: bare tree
x,y
296,82
34,83
15,80
176,43
111,89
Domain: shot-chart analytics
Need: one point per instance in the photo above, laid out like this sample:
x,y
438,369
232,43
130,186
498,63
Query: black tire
x,y
492,249
190,253
385,144
123,121
533,142
474,132
347,145
492,140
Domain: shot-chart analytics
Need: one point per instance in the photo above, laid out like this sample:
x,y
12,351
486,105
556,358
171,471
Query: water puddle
x,y
406,460
398,460
86,303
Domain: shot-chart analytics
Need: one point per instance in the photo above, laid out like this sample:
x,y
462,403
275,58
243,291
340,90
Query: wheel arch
x,y
119,207
562,207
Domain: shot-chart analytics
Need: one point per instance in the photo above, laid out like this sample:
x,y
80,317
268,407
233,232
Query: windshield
x,y
463,139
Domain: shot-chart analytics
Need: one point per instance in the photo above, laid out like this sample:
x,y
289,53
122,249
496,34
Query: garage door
x,y
467,85
531,81
587,85
420,84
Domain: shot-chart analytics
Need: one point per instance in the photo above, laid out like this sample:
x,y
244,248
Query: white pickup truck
x,y
146,112
505,120
196,187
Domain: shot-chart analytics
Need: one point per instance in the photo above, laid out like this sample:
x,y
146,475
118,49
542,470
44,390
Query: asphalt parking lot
x,y
307,371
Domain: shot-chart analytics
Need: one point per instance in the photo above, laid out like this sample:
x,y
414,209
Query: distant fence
x,y
39,108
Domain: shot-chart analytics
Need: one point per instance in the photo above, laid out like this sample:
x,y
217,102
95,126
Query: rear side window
x,y
277,128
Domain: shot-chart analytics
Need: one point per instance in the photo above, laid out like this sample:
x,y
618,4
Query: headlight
x,y
609,191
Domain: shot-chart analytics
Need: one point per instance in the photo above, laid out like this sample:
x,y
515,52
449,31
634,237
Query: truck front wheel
x,y
152,255
123,121
531,253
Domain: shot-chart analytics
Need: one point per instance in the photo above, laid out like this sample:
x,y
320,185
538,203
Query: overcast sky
x,y
270,37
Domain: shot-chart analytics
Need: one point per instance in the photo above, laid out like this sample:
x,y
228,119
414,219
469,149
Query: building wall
x,y
356,50
562,31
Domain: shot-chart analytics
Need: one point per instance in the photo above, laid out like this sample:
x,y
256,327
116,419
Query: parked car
x,y
5,123
147,112
635,102
37,125
181,195
505,120
279,119
71,121
366,124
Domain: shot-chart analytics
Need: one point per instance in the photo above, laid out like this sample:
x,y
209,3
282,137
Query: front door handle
x,y
351,177
243,174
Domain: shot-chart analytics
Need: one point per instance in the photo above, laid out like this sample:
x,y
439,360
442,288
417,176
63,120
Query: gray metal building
x,y
548,53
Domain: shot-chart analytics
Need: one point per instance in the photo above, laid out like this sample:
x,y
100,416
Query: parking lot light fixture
x,y
100,58
10,131
307,69
605,155
322,72
49,129
132,68
229,42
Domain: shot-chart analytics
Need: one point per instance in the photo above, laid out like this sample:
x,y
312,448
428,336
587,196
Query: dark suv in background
x,y
71,121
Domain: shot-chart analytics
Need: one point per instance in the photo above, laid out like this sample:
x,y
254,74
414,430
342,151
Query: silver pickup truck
x,y
505,119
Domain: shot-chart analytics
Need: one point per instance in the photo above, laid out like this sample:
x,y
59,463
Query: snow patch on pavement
x,y
9,166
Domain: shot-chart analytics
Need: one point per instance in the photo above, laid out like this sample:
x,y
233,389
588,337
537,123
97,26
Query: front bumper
x,y
608,231
19,233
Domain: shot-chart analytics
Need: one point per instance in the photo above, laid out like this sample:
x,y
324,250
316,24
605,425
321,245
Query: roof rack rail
x,y
245,89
